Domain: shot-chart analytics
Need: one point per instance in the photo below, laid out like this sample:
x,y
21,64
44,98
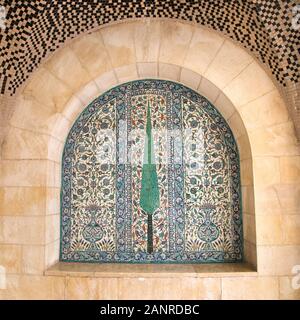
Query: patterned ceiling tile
x,y
268,28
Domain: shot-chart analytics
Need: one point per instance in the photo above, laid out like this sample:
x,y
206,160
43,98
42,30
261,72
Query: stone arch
x,y
195,56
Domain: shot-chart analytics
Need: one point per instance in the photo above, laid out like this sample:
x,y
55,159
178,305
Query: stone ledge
x,y
109,270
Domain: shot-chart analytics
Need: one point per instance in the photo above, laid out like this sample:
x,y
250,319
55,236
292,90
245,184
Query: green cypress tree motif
x,y
149,196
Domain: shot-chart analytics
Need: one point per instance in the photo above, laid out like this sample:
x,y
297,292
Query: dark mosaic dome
x,y
34,28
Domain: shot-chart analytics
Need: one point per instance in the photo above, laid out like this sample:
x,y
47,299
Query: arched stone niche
x,y
195,56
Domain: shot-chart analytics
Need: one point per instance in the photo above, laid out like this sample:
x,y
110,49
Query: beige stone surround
x,y
61,88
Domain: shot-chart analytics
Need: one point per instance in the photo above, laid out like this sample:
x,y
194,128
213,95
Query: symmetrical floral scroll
x,y
197,213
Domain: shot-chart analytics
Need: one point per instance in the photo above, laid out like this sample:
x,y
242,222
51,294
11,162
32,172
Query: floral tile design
x,y
151,175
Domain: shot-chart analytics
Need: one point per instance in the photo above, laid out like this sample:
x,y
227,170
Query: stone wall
x,y
62,87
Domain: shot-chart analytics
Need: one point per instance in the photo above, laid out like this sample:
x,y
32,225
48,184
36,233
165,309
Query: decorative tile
x,y
35,28
151,175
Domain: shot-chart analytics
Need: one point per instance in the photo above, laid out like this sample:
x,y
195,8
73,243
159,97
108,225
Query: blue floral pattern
x,y
199,217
